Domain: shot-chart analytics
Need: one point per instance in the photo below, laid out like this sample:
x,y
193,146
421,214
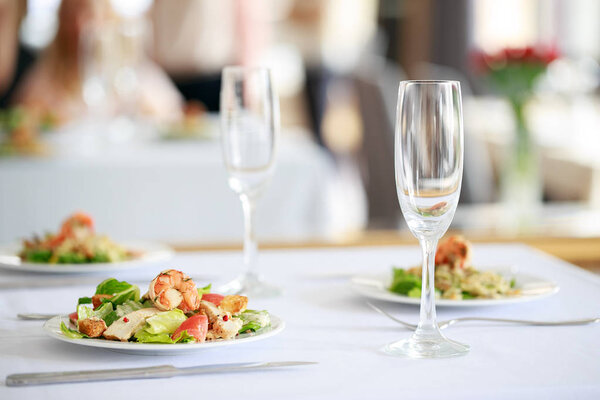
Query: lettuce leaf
x,y
84,312
250,326
184,337
128,307
147,304
105,311
254,320
165,322
110,318
205,289
143,336
120,290
403,282
84,300
40,256
112,286
72,258
71,333
158,328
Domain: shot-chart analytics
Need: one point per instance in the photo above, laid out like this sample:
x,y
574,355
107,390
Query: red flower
x,y
482,62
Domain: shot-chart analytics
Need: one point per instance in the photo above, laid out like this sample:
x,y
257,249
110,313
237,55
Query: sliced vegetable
x,y
196,327
73,317
213,298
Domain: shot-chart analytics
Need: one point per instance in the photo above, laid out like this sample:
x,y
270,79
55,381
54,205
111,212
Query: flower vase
x,y
521,185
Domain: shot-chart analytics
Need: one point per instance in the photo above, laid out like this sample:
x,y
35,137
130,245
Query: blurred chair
x,y
376,82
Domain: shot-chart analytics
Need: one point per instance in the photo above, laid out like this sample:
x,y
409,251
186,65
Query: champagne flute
x,y
429,164
249,125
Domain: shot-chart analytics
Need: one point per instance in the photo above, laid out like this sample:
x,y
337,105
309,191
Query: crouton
x,y
234,304
93,327
97,299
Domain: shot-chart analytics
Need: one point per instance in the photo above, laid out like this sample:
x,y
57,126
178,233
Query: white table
x,y
328,323
174,191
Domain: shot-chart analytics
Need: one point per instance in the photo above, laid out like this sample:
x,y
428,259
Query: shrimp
x,y
77,225
454,251
77,221
174,289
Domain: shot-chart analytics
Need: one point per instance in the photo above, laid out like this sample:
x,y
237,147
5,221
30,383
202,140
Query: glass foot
x,y
250,286
426,345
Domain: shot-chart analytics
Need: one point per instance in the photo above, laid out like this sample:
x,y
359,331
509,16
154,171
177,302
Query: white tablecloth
x,y
328,323
177,191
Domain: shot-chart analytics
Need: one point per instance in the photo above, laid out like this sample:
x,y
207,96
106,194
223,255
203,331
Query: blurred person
x,y
195,39
14,57
54,84
332,36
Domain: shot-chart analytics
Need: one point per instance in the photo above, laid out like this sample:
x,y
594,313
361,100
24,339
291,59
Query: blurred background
x,y
111,107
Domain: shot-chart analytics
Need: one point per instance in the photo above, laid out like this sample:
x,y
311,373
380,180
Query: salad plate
x,y
376,287
52,329
146,253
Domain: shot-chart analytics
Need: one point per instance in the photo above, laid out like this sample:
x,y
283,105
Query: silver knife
x,y
36,316
160,371
46,283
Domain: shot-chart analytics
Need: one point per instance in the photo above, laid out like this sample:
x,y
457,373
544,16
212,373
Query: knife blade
x,y
160,371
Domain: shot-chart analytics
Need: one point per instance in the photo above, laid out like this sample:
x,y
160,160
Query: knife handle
x,y
44,378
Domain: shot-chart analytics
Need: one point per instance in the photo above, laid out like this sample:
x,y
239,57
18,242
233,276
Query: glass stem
x,y
427,319
250,244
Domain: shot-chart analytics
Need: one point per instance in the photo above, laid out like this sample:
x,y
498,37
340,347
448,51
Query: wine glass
x,y
429,165
249,125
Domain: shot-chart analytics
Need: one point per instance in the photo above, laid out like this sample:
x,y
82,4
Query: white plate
x,y
532,288
52,328
151,253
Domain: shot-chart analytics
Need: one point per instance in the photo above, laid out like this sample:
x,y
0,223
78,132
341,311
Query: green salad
x,y
173,311
455,276
454,284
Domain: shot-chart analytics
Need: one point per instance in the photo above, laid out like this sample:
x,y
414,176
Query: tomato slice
x,y
196,326
214,298
73,317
